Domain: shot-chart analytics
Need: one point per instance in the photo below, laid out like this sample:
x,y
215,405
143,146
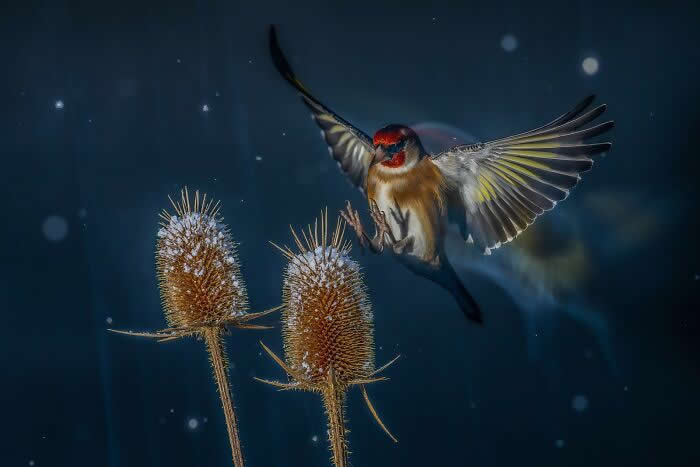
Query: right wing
x,y
350,147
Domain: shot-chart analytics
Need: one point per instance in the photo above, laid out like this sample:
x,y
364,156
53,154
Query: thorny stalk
x,y
215,347
334,403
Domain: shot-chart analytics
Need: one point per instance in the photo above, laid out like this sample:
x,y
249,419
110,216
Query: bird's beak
x,y
380,155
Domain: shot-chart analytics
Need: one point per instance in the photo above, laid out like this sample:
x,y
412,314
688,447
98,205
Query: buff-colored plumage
x,y
327,326
420,191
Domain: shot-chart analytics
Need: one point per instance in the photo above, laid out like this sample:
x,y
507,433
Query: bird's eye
x,y
396,147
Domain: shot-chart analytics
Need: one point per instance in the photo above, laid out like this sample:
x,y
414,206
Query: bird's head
x,y
397,147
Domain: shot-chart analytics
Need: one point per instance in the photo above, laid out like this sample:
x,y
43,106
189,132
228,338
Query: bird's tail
x,y
452,282
447,278
467,303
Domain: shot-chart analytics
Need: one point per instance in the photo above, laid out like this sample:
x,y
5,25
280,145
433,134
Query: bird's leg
x,y
382,231
352,217
401,219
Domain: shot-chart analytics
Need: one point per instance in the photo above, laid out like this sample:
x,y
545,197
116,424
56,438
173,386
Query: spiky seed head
x,y
327,319
198,270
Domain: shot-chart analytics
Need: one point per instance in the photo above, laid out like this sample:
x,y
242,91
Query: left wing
x,y
350,147
504,185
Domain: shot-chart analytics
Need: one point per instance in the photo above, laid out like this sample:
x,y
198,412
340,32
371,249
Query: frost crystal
x,y
327,319
199,274
318,270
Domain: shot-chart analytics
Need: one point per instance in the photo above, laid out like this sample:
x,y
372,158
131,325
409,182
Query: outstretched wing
x,y
350,147
504,185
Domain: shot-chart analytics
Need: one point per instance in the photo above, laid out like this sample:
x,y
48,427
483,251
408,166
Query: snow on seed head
x,y
327,321
197,265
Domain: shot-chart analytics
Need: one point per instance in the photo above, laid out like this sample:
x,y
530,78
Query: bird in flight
x,y
491,191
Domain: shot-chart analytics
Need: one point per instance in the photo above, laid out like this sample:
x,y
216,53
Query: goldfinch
x,y
492,191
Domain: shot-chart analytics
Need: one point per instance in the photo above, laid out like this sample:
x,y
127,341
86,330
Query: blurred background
x,y
589,352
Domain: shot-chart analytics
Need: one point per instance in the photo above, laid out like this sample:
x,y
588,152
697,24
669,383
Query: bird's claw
x,y
352,217
400,218
382,232
406,243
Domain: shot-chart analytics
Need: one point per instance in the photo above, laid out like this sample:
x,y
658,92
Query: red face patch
x,y
396,160
389,135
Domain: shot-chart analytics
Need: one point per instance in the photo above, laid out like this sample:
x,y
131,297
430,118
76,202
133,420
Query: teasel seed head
x,y
202,290
197,265
327,316
327,327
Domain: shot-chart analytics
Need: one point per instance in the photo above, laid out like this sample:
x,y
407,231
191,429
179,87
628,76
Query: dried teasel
x,y
202,289
327,327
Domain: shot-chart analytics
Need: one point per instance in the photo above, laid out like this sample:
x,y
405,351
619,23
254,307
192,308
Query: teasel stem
x,y
215,346
327,328
334,403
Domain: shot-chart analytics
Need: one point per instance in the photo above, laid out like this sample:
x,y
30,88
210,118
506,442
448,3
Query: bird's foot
x,y
401,218
352,217
403,246
382,234
435,262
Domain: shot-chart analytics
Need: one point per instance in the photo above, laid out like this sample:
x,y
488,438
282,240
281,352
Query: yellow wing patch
x,y
507,183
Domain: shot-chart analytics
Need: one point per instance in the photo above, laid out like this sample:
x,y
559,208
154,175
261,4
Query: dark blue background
x,y
133,77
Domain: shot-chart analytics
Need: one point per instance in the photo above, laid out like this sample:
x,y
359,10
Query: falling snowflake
x,y
509,43
192,423
55,228
590,65
58,104
579,403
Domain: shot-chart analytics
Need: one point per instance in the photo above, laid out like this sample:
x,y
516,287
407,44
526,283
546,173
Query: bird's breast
x,y
413,205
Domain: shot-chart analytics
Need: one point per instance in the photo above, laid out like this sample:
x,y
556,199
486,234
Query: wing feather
x,y
504,185
350,147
